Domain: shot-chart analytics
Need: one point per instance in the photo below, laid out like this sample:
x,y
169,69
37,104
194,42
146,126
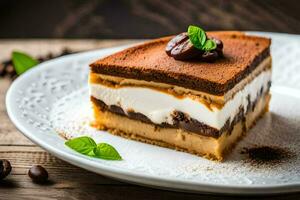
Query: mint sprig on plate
x,y
22,62
199,39
87,146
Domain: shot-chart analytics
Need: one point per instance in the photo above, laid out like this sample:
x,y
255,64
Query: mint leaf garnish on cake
x,y
199,39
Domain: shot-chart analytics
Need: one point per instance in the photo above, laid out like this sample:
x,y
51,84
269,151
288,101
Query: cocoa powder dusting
x,y
266,154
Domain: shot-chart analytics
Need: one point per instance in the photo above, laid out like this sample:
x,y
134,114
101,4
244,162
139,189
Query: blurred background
x,y
142,18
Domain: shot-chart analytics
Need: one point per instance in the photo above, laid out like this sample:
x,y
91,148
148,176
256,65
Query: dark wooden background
x,y
142,18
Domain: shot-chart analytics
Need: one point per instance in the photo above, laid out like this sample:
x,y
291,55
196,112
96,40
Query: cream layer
x,y
159,106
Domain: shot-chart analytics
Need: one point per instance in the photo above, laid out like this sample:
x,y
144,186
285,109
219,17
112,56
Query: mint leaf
x,y
84,145
87,146
197,36
22,62
107,152
209,45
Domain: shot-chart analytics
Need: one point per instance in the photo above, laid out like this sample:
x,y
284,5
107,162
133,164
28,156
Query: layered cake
x,y
146,94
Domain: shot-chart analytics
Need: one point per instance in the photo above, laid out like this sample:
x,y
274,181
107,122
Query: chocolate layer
x,y
182,120
242,54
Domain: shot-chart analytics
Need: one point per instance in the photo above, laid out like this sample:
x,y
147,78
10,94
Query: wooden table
x,y
66,181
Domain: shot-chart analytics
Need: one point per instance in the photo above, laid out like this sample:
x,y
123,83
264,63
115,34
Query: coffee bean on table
x,y
38,174
66,51
2,69
5,168
175,41
10,71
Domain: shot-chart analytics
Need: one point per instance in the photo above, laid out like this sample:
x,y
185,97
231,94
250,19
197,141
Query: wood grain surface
x,y
67,181
142,18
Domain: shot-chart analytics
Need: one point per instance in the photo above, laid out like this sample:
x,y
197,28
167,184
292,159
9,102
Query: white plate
x,y
52,96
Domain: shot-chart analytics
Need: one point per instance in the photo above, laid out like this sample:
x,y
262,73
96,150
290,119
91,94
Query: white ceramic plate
x,y
53,98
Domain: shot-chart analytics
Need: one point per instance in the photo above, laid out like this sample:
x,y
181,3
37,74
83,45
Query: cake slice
x,y
203,108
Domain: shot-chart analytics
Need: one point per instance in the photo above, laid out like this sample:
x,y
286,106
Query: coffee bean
x,y
219,48
5,168
219,43
209,56
66,51
181,48
185,51
49,56
10,71
2,70
175,41
41,59
38,174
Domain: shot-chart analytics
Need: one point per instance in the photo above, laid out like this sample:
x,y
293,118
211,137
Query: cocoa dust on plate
x,y
259,155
